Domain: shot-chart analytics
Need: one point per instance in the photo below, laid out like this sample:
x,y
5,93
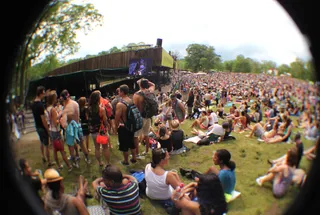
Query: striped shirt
x,y
123,200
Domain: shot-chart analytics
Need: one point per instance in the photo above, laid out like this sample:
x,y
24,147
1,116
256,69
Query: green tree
x,y
55,33
268,64
241,64
201,57
311,75
255,65
227,65
50,63
298,69
284,68
114,49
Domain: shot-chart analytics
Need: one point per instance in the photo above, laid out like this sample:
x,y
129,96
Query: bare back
x,y
72,111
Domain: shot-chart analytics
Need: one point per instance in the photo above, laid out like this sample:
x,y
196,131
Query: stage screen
x,y
140,66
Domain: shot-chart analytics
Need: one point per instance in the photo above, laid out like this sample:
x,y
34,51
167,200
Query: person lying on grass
x,y
202,197
281,175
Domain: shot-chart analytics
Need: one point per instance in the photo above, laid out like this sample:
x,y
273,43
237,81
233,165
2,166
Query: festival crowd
x,y
261,104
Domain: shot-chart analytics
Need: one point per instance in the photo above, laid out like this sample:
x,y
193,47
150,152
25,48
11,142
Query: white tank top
x,y
157,189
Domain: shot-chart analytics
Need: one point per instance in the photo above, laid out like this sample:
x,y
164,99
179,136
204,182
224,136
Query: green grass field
x,y
249,155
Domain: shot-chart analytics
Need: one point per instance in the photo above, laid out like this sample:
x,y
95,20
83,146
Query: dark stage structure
x,y
107,72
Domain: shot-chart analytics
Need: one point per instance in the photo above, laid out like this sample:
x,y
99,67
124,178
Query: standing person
x,y
97,120
55,132
190,102
146,87
218,97
178,108
125,136
70,120
120,192
207,99
196,106
114,103
84,115
41,124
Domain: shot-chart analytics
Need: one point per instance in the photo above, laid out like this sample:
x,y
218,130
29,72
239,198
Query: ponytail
x,y
231,165
153,165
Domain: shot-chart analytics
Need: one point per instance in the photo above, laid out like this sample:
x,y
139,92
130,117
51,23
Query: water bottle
x,y
178,192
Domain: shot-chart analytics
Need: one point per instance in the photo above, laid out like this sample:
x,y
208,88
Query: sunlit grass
x,y
249,155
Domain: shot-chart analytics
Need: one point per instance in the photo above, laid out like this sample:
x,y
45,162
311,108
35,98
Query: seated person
x,y
32,178
213,118
203,122
124,188
161,183
177,136
220,110
215,133
154,132
226,172
281,175
165,138
240,122
311,152
204,196
299,145
283,133
255,116
312,130
56,201
258,130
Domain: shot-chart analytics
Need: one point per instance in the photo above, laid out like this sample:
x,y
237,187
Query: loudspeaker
x,y
159,42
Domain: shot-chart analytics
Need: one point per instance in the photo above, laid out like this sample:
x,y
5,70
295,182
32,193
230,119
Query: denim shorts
x,y
55,135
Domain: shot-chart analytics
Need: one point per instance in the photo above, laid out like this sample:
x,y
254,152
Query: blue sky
x,y
259,29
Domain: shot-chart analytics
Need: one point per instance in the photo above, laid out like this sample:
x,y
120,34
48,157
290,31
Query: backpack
x,y
107,106
134,119
150,104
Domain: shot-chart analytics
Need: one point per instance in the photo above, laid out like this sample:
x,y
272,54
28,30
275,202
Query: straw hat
x,y
52,175
175,124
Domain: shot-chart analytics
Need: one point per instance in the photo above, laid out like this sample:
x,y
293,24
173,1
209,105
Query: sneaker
x,y
77,158
144,153
260,140
87,160
44,160
133,161
124,163
70,169
140,157
69,158
183,172
258,180
51,164
60,167
75,164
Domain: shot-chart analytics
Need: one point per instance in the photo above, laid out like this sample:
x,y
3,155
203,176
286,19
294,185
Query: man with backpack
x,y
146,102
128,121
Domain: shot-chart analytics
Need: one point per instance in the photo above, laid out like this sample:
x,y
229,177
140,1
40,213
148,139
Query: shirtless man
x,y
125,136
70,121
145,85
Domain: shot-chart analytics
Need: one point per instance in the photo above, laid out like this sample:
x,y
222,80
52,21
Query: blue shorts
x,y
55,135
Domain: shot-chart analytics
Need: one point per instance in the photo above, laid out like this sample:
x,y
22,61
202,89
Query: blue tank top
x,y
228,180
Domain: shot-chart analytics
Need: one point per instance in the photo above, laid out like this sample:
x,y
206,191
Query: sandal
x,y
133,161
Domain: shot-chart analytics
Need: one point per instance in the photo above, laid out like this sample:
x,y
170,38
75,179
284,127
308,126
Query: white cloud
x,y
229,25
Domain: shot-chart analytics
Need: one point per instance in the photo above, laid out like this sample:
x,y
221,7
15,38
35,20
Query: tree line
x,y
204,58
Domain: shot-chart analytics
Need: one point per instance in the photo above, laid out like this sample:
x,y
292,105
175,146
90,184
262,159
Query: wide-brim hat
x,y
52,175
175,124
